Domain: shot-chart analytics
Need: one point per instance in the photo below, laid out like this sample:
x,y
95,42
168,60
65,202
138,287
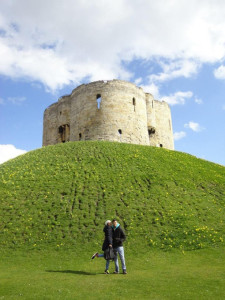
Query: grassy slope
x,y
59,196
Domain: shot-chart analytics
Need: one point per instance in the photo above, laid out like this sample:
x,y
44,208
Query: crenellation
x,y
113,110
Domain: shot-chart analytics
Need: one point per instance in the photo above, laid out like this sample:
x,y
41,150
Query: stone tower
x,y
112,110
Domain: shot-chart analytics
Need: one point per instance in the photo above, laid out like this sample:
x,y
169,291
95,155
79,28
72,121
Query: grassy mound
x,y
59,196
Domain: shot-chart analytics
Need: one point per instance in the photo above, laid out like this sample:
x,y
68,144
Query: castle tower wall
x,y
151,120
50,125
164,131
56,116
120,114
108,110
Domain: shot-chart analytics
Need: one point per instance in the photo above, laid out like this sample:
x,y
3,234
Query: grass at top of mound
x,y
60,196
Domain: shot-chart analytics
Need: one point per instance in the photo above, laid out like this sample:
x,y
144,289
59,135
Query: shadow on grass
x,y
71,272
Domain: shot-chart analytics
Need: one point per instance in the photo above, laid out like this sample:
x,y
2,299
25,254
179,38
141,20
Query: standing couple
x,y
114,237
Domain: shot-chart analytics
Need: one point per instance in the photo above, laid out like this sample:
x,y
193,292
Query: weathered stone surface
x,y
113,110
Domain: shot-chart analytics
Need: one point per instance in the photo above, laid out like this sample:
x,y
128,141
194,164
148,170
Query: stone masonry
x,y
112,110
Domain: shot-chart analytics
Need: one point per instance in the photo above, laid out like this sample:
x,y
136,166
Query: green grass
x,y
59,197
53,205
151,275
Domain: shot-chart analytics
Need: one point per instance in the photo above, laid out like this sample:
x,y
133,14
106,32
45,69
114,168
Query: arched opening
x,y
151,134
120,134
151,131
64,133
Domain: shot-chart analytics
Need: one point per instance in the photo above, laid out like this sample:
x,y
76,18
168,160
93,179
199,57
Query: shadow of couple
x,y
71,272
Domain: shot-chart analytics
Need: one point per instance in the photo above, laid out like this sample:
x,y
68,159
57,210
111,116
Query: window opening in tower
x,y
64,133
134,103
98,99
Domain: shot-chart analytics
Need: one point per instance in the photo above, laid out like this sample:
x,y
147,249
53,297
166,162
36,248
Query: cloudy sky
x,y
174,49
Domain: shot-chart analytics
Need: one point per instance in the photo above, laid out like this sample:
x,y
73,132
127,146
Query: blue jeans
x,y
107,262
120,251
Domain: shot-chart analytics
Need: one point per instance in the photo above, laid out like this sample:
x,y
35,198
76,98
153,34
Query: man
x,y
118,239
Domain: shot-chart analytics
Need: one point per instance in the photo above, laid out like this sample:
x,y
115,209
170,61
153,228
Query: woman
x,y
106,244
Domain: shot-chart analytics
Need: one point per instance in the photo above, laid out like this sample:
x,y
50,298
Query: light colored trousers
x,y
120,251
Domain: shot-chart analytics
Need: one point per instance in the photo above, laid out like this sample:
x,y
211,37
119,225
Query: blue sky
x,y
174,49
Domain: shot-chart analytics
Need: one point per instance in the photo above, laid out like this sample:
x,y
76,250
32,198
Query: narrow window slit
x,y
134,103
98,99
120,134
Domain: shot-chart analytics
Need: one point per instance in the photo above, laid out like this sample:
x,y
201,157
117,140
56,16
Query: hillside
x,y
59,196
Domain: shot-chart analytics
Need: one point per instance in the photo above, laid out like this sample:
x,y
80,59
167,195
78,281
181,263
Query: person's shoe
x,y
94,255
106,271
124,272
115,272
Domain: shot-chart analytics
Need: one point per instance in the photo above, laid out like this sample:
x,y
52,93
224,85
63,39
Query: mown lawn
x,y
153,274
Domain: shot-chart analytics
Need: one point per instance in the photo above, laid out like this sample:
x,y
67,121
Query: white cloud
x,y
13,100
152,89
220,72
175,69
198,100
177,98
16,100
62,42
138,81
193,126
8,152
179,135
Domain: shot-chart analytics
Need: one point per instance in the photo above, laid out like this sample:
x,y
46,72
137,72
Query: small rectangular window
x,y
134,103
98,99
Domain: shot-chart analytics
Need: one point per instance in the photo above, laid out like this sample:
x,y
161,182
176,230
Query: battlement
x,y
114,110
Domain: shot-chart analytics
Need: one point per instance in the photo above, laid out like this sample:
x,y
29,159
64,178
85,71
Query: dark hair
x,y
114,220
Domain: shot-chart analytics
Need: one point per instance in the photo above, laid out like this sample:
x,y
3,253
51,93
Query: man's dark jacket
x,y
108,237
118,237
